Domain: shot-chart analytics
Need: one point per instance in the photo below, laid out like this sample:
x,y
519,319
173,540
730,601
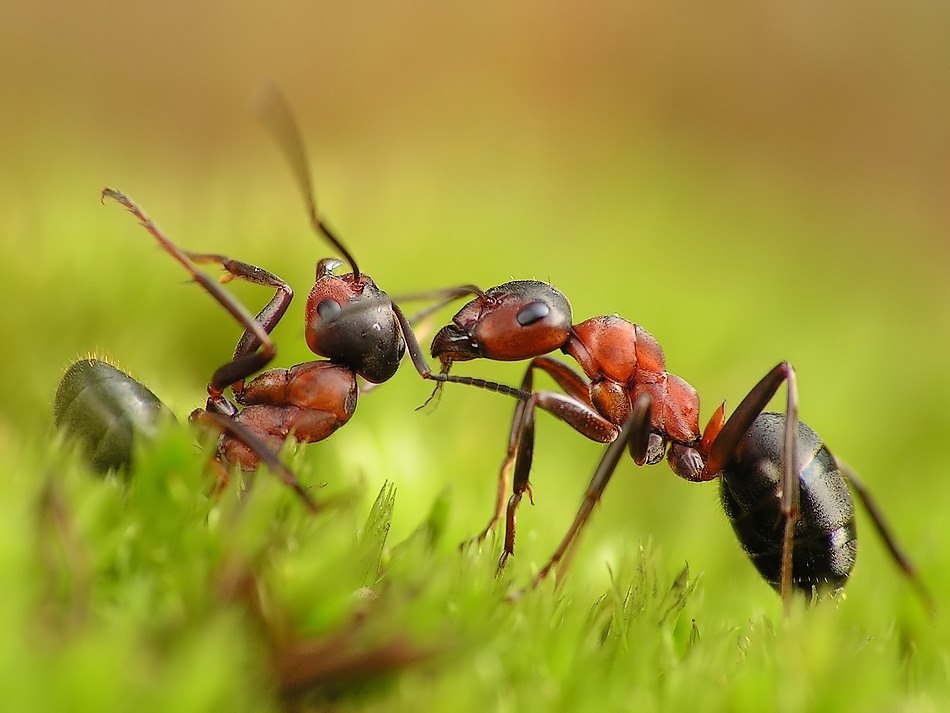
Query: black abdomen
x,y
825,536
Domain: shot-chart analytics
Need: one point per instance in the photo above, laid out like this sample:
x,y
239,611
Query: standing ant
x,y
349,320
786,495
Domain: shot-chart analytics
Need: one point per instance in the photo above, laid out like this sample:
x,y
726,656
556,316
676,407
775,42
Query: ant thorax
x,y
618,355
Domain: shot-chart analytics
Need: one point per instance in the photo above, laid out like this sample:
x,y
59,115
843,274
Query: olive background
x,y
750,182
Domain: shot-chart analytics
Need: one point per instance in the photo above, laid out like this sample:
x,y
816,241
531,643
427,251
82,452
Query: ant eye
x,y
328,309
532,313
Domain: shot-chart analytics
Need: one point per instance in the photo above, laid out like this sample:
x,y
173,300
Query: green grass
x,y
150,594
135,595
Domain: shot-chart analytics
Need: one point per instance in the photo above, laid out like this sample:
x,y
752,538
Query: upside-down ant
x,y
349,320
786,496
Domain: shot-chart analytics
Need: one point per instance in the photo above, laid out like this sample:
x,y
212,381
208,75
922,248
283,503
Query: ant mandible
x,y
785,494
349,320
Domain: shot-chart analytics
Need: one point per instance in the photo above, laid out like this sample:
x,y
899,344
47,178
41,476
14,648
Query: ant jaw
x,y
452,344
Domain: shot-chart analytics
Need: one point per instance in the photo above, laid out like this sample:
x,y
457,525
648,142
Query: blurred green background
x,y
749,181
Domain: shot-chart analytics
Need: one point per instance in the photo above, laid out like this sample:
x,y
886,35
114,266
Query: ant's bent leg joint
x,y
239,369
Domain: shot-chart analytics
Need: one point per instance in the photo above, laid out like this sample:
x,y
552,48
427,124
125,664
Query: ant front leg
x,y
522,432
634,434
573,407
243,364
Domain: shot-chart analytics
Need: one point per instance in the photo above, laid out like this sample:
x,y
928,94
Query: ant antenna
x,y
271,108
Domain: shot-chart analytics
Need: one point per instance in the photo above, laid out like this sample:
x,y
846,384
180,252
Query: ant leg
x,y
573,407
576,386
220,410
521,454
578,414
267,318
225,424
897,554
239,367
635,433
734,430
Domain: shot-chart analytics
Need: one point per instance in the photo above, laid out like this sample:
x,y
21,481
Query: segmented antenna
x,y
274,113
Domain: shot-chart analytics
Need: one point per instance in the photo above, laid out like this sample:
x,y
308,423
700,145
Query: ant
x,y
349,320
786,495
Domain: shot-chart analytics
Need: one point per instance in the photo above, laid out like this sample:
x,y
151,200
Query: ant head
x,y
514,321
351,321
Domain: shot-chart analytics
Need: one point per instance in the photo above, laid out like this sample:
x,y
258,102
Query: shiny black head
x,y
351,321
